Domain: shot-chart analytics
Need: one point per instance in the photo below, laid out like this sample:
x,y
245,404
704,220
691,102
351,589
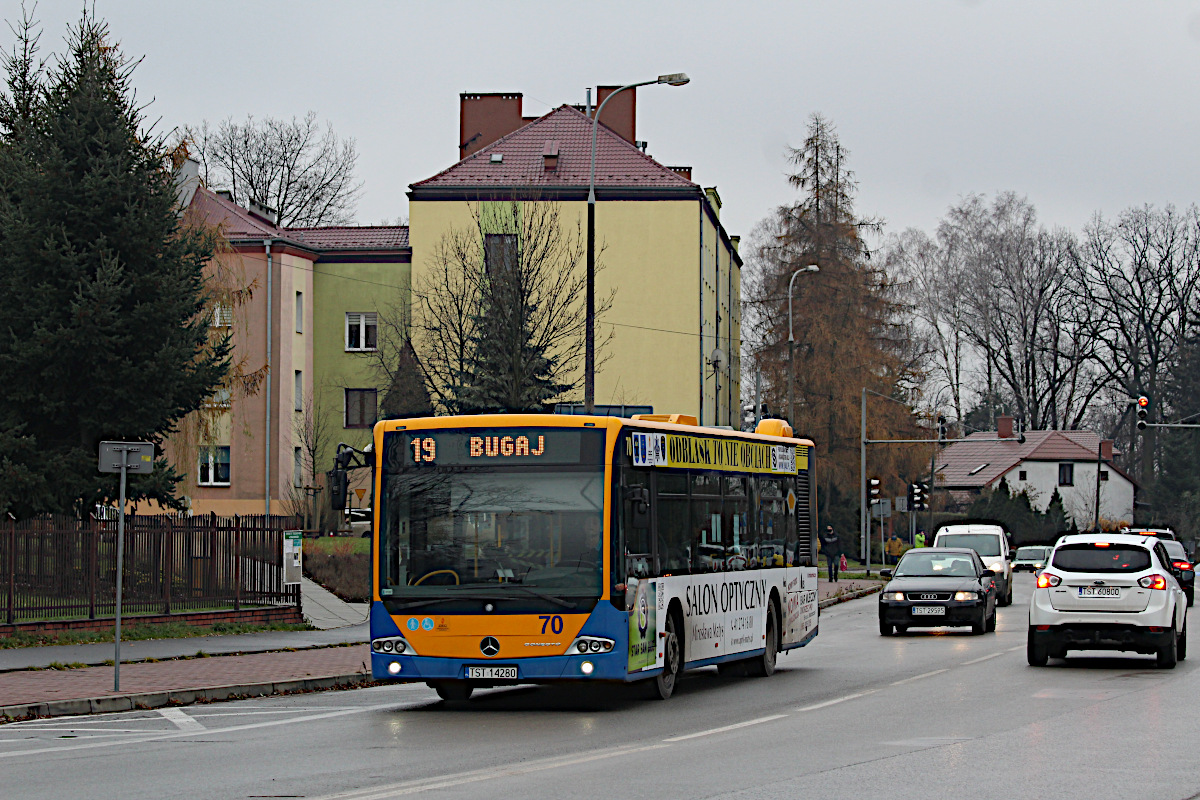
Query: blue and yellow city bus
x,y
543,548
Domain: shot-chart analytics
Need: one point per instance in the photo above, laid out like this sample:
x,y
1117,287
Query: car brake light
x,y
1181,565
1101,544
1155,581
1047,579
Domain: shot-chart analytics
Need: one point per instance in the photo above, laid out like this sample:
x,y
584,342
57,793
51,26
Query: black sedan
x,y
934,587
1183,569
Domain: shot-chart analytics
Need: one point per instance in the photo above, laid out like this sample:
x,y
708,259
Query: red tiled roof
x,y
618,163
366,237
236,223
997,456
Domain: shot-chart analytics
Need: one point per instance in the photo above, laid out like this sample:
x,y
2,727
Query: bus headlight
x,y
591,644
586,668
582,647
394,668
392,644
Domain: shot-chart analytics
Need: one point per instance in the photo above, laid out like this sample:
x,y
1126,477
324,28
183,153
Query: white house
x,y
1047,460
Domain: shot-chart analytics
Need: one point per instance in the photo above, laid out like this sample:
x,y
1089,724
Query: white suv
x,y
1108,592
990,541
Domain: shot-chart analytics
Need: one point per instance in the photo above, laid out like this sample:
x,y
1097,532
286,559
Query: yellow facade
x,y
656,255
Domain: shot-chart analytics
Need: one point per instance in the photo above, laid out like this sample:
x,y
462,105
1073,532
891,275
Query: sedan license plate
x,y
1099,591
493,673
928,611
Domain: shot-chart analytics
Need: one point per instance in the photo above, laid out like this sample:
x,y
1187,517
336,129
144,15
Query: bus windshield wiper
x,y
447,598
543,595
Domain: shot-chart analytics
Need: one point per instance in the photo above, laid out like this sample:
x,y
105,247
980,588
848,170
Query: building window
x,y
360,408
499,252
1066,474
361,331
214,466
297,467
299,312
1022,475
299,390
1103,474
222,316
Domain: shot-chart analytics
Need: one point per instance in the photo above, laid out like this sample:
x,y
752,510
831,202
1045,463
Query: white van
x,y
990,541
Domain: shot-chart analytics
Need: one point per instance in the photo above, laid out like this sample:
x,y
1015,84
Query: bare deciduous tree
x,y
312,434
498,320
304,173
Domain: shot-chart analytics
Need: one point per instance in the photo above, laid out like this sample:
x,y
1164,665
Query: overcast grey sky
x,y
1082,106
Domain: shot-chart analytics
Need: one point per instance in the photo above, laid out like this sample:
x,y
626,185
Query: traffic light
x,y
1143,411
338,488
873,489
918,496
941,428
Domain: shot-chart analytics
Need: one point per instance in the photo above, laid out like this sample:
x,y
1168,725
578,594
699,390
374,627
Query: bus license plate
x,y
928,611
493,673
1099,591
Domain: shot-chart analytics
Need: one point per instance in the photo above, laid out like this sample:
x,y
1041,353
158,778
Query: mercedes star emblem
x,y
489,646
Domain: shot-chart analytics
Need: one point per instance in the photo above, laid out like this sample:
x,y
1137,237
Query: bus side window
x,y
772,522
740,550
710,534
672,511
639,554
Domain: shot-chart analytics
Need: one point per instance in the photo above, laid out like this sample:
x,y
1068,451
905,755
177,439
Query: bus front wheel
x,y
453,691
664,683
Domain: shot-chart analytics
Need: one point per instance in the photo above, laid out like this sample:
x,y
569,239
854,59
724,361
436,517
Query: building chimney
x,y
1106,446
263,212
683,172
620,116
485,117
550,155
1004,426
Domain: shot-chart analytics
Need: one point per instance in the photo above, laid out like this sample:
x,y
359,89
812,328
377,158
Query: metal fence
x,y
57,568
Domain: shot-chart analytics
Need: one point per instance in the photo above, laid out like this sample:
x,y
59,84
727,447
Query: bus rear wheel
x,y
453,691
664,683
764,666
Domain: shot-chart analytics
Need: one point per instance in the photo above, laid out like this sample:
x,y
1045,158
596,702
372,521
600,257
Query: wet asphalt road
x,y
856,715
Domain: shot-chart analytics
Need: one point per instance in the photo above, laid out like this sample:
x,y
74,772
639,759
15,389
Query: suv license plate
x,y
928,611
495,673
1099,591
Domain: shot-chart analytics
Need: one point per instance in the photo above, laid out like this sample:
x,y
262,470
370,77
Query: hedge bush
x,y
340,566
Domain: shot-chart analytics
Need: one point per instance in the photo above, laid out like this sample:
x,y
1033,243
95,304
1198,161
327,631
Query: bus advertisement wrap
x,y
643,627
697,452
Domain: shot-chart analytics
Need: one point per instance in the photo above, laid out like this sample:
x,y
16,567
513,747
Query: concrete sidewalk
x,y
325,610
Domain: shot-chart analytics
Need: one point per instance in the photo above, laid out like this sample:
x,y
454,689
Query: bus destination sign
x,y
701,452
494,447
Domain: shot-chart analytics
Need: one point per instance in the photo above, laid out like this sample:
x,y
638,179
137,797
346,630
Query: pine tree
x,y
101,334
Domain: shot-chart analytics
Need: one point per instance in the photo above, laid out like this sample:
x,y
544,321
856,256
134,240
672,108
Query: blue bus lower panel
x,y
606,667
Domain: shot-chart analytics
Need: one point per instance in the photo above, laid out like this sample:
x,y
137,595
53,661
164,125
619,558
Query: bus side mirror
x,y
338,488
639,506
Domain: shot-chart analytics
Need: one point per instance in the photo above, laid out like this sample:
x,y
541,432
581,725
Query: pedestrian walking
x,y
919,541
894,548
831,546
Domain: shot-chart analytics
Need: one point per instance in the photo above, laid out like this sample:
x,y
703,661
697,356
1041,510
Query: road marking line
x,y
475,776
835,701
725,728
983,658
150,737
180,720
919,677
1015,649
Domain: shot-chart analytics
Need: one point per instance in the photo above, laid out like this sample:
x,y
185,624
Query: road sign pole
x,y
120,575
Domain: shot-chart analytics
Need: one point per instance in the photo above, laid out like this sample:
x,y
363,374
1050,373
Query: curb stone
x,y
178,697
842,598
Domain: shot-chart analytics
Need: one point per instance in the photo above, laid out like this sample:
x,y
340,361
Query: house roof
x,y
983,457
567,131
366,237
237,223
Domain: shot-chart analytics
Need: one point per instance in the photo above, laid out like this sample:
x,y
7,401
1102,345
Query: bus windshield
x,y
451,526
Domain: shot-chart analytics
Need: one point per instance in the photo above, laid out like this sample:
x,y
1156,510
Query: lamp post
x,y
792,347
589,355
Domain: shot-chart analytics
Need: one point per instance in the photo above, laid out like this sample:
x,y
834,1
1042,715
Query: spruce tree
x,y
101,335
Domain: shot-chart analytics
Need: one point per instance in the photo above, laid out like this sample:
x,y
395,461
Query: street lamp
x,y
792,347
589,355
